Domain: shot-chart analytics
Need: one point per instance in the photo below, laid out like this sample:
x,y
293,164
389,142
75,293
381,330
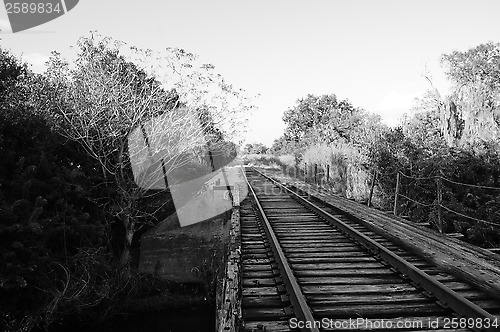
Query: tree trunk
x,y
129,225
125,258
450,122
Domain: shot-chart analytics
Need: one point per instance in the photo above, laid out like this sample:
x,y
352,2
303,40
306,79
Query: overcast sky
x,y
371,52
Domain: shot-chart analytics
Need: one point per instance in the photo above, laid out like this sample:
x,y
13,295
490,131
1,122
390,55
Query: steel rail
x,y
297,298
446,295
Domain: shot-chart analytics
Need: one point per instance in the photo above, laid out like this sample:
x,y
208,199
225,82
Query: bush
x,y
478,165
54,240
347,166
262,160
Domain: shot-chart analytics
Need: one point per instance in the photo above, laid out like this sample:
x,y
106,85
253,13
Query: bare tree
x,y
200,87
126,120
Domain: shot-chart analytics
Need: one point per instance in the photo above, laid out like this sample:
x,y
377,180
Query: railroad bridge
x,y
305,260
302,259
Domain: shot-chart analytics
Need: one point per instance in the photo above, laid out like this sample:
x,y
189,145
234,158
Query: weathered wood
x,y
455,235
326,254
328,279
350,280
260,291
372,186
274,326
341,289
338,244
259,274
343,272
315,173
323,260
312,243
327,250
398,178
471,263
258,282
259,301
265,261
439,186
381,310
229,315
251,256
249,267
333,266
305,172
266,313
350,299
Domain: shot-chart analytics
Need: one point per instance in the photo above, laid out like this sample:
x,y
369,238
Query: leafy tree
x,y
472,112
141,134
259,148
422,125
47,216
61,199
326,119
248,148
106,103
369,129
478,64
284,145
255,148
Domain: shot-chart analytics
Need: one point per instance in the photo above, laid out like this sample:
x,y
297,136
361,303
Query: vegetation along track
x,y
310,267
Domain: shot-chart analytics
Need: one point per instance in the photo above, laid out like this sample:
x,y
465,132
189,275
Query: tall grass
x,y
267,160
340,167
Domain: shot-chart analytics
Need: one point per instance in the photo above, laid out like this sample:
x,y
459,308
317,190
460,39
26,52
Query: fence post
x,y
305,172
328,174
316,174
374,178
321,175
396,195
439,201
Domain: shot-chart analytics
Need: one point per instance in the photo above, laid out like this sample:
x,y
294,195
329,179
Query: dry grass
x,y
345,164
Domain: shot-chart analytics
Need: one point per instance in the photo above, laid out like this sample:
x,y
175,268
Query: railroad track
x,y
309,267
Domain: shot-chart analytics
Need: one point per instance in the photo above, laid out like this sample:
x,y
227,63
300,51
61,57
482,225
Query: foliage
x,y
475,102
141,134
47,215
422,125
396,152
335,136
285,145
346,165
101,102
455,137
70,202
262,160
325,119
255,148
480,63
322,118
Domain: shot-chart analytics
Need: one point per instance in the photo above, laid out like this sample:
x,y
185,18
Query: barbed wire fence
x,y
320,175
437,203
